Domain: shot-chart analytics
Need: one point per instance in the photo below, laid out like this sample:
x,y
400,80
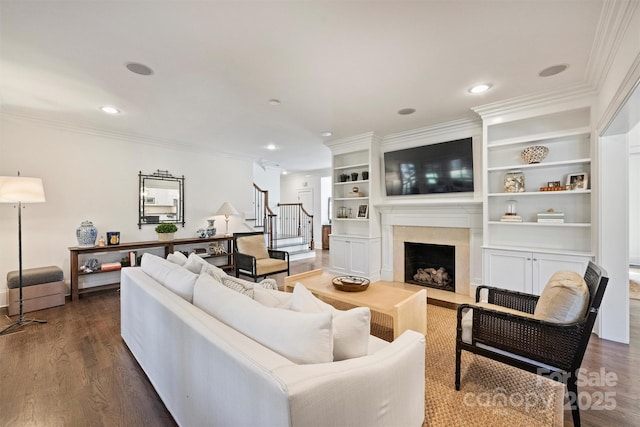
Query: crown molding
x,y
121,136
580,92
614,23
435,132
356,142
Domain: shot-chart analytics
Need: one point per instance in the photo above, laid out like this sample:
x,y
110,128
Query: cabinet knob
x,y
528,259
535,259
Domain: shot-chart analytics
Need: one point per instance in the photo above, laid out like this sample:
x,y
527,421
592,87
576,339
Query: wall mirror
x,y
161,198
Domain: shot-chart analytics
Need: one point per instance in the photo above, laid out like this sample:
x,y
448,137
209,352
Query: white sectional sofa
x,y
210,374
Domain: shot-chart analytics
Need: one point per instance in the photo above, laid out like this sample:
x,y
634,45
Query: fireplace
x,y
430,265
457,238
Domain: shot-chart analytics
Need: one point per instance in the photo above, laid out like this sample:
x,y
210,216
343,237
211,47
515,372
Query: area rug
x,y
491,393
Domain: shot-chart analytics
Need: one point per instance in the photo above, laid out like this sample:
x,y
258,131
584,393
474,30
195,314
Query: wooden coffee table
x,y
406,304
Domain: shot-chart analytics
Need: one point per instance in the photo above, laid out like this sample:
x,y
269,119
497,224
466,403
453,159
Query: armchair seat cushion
x,y
253,245
270,265
564,299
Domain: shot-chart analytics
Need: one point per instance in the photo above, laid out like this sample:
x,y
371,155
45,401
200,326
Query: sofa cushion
x,y
300,337
273,298
253,245
177,258
351,328
173,277
564,299
195,263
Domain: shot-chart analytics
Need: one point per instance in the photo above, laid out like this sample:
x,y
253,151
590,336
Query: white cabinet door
x,y
350,255
527,271
544,265
339,254
359,254
508,270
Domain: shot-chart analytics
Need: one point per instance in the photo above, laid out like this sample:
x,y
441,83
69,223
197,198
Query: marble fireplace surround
x,y
452,222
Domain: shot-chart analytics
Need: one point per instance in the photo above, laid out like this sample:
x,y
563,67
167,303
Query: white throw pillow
x,y
300,337
169,275
195,263
351,328
273,298
564,299
177,258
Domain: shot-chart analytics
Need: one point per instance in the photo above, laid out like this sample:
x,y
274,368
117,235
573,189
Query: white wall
x,y
268,179
612,244
634,195
92,176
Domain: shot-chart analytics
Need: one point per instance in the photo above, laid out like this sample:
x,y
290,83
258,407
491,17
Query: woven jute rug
x,y
491,393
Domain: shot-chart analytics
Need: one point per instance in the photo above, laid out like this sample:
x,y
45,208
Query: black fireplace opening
x,y
430,265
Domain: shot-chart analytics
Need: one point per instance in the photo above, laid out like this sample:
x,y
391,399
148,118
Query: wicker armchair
x,y
253,259
553,350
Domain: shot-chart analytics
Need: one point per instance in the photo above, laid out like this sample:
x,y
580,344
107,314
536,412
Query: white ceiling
x,y
343,66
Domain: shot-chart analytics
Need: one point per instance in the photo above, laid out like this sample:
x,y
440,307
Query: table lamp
x,y
227,210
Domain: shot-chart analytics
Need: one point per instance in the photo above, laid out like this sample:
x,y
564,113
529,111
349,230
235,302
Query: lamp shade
x,y
14,189
227,210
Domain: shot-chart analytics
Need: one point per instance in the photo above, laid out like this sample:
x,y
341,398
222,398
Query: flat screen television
x,y
446,167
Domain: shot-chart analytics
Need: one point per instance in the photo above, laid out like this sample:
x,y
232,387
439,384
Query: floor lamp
x,y
20,189
227,210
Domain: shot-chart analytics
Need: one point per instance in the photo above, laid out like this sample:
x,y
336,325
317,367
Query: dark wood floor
x,y
76,371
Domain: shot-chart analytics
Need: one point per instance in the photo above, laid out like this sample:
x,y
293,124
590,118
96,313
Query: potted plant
x,y
165,231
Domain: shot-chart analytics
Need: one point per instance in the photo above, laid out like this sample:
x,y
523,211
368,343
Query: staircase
x,y
290,229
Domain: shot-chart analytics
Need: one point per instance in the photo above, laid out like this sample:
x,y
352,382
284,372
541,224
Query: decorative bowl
x,y
534,154
350,283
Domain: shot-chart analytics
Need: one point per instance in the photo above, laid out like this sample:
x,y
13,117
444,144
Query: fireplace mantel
x,y
448,212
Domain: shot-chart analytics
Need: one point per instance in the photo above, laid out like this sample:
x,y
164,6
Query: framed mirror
x,y
161,198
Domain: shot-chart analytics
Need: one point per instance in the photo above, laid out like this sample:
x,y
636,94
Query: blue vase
x,y
86,234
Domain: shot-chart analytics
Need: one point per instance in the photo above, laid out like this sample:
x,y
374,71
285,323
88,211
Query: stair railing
x,y
295,221
263,215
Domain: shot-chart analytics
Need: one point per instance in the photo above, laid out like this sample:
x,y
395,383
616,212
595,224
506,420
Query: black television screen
x,y
446,167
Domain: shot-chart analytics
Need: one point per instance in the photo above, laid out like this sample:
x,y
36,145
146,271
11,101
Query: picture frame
x,y
578,181
553,184
363,211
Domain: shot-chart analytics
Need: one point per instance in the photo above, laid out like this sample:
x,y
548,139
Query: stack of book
x,y
551,217
511,218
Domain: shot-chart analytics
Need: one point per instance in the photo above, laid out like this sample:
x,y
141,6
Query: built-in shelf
x,y
540,137
541,224
354,166
584,161
541,193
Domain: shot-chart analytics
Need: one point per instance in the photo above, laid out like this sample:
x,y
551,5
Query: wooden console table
x,y
169,247
406,304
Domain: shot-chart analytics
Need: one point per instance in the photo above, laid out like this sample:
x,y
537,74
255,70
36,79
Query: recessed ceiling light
x,y
274,101
109,109
138,68
284,172
406,111
480,88
327,133
553,70
271,147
